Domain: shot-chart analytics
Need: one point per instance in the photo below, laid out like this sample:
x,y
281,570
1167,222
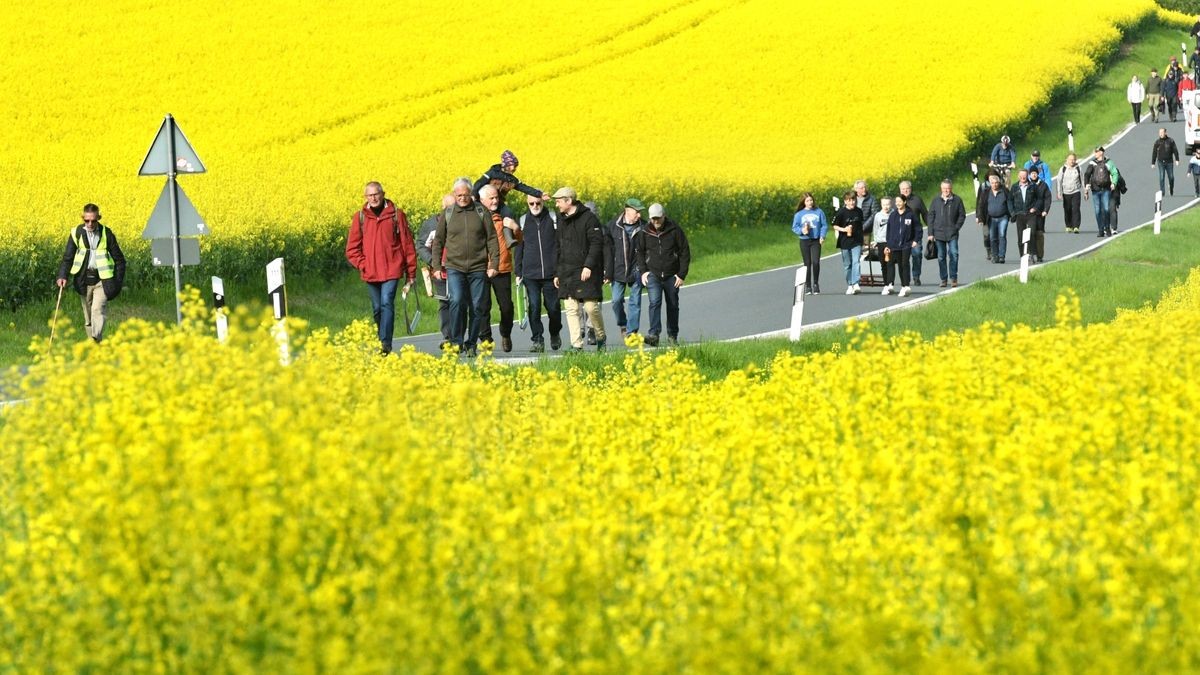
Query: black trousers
x,y
900,260
1071,213
1137,112
1023,221
502,288
810,251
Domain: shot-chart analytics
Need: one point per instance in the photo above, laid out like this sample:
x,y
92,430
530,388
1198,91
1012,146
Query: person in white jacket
x,y
1135,93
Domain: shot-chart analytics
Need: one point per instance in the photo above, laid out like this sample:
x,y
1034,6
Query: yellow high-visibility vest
x,y
104,261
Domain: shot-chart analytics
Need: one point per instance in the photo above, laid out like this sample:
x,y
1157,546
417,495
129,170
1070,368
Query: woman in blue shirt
x,y
810,225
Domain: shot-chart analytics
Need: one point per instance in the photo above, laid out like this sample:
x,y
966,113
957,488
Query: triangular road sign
x,y
162,252
158,161
190,222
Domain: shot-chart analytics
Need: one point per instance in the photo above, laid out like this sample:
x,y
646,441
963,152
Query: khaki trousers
x,y
592,308
94,302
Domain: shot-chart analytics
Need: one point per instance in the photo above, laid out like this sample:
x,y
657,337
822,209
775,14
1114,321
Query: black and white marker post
x,y
798,304
1183,50
276,289
975,175
1026,236
1070,136
1158,196
218,290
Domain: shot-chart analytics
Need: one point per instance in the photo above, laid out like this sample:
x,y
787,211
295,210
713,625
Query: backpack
x,y
1102,176
362,228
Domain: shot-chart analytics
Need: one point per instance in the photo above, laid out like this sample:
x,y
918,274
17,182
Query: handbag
x,y
930,250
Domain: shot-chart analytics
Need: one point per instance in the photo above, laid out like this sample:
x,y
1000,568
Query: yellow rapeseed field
x,y
172,505
721,108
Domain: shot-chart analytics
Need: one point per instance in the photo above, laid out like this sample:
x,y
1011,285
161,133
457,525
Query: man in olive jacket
x,y
95,259
472,256
579,271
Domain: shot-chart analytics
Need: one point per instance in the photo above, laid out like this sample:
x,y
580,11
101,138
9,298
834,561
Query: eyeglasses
x,y
534,203
374,194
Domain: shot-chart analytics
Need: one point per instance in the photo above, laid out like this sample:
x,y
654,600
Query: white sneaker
x,y
887,290
903,292
850,289
857,289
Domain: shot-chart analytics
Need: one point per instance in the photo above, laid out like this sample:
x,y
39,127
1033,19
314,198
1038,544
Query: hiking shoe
x,y
954,283
506,344
470,352
917,281
904,291
591,336
624,332
555,342
600,345
943,284
672,341
652,340
538,347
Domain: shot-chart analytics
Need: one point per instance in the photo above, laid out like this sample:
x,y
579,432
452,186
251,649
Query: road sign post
x,y
218,290
276,289
798,303
170,154
1026,236
1158,197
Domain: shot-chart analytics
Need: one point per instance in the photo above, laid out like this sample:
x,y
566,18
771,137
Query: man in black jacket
x,y
917,206
1161,155
95,259
534,261
664,256
1024,203
621,265
1045,199
579,269
946,217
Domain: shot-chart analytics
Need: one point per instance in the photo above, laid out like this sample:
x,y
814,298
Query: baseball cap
x,y
1036,153
635,203
567,192
656,210
1099,148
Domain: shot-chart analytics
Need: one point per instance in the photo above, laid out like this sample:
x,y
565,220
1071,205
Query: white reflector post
x,y
1025,237
276,289
798,304
1158,196
218,290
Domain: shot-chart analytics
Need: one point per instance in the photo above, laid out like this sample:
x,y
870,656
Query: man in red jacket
x,y
380,246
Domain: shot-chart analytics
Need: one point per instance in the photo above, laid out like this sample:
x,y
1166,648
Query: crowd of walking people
x,y
475,247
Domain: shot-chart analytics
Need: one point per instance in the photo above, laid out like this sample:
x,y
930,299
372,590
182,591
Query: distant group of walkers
x,y
474,245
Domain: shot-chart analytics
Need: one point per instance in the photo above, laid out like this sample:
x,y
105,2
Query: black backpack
x,y
1101,176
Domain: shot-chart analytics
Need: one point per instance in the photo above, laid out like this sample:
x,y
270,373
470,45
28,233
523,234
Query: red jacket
x,y
381,247
1185,85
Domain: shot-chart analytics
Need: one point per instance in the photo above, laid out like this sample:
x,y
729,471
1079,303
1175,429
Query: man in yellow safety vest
x,y
94,257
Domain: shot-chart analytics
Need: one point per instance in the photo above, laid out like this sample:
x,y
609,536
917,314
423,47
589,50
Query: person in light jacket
x,y
1070,192
1135,93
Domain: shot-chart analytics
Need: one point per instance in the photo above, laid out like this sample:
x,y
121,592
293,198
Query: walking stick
x,y
54,323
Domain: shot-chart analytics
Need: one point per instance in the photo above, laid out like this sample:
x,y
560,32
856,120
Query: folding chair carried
x,y
868,275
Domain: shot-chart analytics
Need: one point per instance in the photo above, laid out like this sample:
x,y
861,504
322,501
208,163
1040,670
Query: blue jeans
x,y
947,249
468,291
632,307
1102,207
657,289
850,258
917,256
1166,170
383,308
998,229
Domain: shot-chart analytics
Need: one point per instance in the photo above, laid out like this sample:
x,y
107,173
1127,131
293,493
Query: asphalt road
x,y
759,304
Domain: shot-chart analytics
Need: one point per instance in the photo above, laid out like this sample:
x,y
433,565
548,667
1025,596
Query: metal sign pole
x,y
171,178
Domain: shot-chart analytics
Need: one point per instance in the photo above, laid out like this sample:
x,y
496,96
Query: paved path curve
x,y
759,304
